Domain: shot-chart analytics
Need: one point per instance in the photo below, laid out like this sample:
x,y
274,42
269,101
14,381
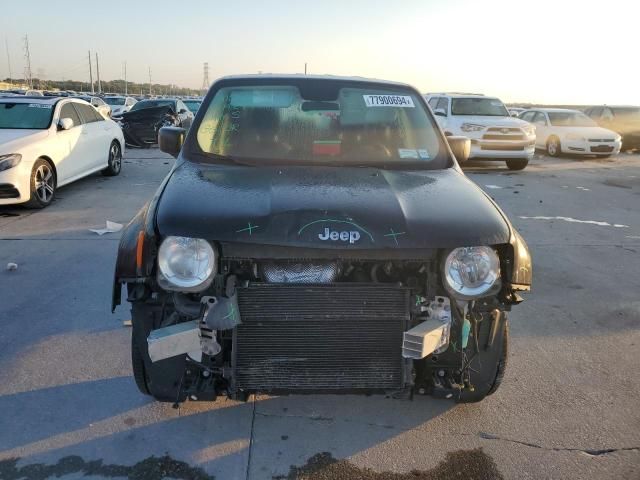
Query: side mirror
x,y
461,148
65,124
182,110
170,140
440,112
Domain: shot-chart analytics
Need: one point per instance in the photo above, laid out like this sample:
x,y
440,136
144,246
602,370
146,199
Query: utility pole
x,y
125,78
98,74
90,73
6,44
149,80
27,63
305,68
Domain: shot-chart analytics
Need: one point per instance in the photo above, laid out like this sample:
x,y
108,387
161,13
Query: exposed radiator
x,y
335,337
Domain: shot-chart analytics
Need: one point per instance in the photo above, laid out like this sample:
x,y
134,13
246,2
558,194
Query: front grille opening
x,y
304,271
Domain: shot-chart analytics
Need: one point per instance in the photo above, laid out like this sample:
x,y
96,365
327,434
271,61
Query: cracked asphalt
x,y
568,407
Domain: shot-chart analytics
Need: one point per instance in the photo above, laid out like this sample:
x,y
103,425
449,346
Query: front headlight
x,y
471,272
574,136
529,130
186,264
471,127
9,161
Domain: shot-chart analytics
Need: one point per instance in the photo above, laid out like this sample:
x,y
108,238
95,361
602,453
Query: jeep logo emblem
x,y
344,236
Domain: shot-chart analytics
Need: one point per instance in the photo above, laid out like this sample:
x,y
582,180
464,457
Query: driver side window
x,y
67,111
540,119
443,104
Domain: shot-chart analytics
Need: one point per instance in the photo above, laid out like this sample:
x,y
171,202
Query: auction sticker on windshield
x,y
403,101
40,105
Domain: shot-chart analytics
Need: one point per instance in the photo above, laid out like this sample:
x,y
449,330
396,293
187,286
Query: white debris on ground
x,y
111,227
583,188
12,266
126,323
493,186
574,220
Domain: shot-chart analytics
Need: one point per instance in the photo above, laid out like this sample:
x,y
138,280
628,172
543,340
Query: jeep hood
x,y
367,208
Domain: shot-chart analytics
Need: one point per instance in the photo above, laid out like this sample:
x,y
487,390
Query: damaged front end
x,y
237,321
140,127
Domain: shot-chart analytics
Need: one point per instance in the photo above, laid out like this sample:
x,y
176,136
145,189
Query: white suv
x,y
494,134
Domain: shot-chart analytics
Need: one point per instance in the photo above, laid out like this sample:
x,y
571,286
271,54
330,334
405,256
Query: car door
x,y
96,128
542,128
72,145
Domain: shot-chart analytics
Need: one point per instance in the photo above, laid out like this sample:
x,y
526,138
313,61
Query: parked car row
x,y
513,134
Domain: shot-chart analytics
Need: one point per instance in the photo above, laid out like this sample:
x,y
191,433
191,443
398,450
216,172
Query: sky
x,y
540,51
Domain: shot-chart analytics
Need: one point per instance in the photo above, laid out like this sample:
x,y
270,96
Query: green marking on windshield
x,y
335,221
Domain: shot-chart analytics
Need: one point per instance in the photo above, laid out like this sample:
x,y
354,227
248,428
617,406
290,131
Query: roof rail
x,y
455,93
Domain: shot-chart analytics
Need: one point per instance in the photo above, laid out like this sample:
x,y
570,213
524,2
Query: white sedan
x,y
48,142
559,130
99,104
119,105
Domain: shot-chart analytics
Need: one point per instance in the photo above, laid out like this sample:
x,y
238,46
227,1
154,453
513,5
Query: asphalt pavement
x,y
568,407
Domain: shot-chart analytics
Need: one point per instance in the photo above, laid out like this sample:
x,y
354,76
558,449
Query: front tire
x,y
42,184
517,163
554,147
115,160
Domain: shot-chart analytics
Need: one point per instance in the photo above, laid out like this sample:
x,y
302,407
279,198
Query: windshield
x,y
490,107
570,119
193,105
25,115
357,126
153,104
114,100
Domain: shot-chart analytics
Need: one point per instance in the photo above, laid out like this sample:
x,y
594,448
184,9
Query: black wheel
x,y
115,160
43,184
491,367
517,163
137,362
553,147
